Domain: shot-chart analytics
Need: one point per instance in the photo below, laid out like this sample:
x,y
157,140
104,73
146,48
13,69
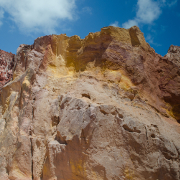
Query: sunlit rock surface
x,y
101,108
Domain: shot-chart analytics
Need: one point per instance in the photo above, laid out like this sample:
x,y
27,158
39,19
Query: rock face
x,y
101,108
6,67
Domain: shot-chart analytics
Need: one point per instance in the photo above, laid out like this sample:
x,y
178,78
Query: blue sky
x,y
22,21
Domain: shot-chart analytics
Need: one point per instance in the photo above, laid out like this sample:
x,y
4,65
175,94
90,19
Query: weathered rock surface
x,y
105,107
6,67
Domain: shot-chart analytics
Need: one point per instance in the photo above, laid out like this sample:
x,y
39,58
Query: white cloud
x,y
168,3
150,40
130,23
87,10
41,15
172,3
1,16
148,11
115,24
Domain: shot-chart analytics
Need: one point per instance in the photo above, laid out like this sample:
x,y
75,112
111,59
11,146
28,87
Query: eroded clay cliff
x,y
101,108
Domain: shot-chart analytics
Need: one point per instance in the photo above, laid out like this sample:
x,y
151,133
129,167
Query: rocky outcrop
x,y
6,67
104,107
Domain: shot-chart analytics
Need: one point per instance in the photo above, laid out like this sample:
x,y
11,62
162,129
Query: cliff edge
x,y
101,108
